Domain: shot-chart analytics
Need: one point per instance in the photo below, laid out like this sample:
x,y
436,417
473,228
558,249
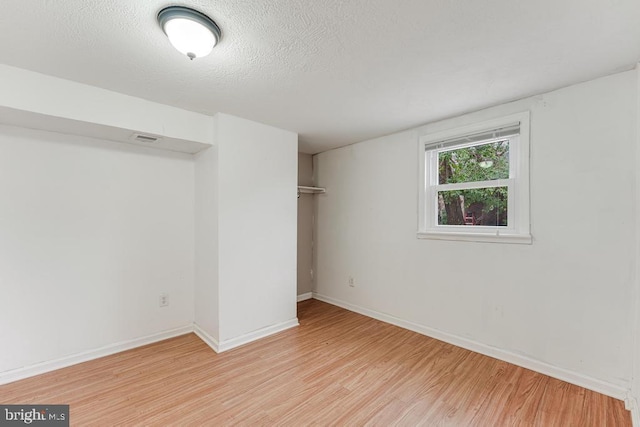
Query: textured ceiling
x,y
335,71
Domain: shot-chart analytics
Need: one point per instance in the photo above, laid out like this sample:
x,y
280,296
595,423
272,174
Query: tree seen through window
x,y
474,206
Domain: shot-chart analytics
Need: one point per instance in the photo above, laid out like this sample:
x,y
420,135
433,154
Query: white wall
x,y
206,241
91,232
257,176
563,301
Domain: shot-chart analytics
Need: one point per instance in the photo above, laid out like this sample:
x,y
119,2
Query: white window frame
x,y
518,229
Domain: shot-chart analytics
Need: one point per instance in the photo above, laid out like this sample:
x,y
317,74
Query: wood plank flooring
x,y
338,368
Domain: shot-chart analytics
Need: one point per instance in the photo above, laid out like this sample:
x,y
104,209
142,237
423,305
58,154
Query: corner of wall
x,y
634,395
631,404
206,301
208,339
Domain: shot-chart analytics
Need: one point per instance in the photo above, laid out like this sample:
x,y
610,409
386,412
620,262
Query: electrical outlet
x,y
163,300
352,282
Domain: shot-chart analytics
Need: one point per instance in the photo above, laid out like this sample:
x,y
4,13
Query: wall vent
x,y
140,137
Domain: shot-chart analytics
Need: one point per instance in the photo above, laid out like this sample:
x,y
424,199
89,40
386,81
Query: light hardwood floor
x,y
337,368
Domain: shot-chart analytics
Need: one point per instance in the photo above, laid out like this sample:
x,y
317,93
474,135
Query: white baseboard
x,y
613,390
208,339
63,362
304,297
256,335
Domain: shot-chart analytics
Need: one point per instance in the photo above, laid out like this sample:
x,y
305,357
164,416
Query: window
x,y
474,182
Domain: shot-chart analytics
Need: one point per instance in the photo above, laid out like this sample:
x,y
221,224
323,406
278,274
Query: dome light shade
x,y
192,33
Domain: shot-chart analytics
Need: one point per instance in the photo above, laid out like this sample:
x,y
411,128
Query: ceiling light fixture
x,y
189,31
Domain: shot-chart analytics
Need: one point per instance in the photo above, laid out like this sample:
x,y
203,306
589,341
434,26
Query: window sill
x,y
522,239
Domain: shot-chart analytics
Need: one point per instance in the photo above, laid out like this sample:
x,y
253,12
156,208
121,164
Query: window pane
x,y
479,206
478,163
